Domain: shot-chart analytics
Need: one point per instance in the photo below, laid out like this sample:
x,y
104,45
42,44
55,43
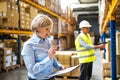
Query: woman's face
x,y
43,32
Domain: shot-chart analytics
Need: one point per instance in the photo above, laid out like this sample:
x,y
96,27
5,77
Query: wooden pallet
x,y
11,67
67,77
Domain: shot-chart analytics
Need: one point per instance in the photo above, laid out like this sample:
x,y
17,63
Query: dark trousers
x,y
85,71
44,79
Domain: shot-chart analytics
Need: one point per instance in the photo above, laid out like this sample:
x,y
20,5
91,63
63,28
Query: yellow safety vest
x,y
84,55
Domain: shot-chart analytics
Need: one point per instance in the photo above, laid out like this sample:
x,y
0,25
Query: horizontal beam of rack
x,y
15,32
114,4
61,35
46,10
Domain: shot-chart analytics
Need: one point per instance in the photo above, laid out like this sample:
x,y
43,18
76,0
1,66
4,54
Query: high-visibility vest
x,y
84,55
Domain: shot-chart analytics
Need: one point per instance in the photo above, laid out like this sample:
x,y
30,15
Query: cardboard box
x,y
5,8
64,57
106,73
118,64
1,52
7,60
107,66
6,51
41,2
76,72
14,62
67,59
1,18
118,43
14,58
74,62
2,45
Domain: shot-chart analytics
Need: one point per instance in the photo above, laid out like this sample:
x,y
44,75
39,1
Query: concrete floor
x,y
21,73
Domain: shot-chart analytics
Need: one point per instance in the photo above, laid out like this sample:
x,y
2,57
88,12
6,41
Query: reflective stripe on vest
x,y
87,56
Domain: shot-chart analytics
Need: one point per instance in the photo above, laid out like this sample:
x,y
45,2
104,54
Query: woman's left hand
x,y
62,67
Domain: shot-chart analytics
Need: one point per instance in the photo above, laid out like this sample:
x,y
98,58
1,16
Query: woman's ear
x,y
36,31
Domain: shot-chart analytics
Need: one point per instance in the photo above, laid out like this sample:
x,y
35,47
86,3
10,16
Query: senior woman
x,y
37,52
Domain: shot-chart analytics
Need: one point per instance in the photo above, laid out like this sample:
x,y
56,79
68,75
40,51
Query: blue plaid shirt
x,y
37,61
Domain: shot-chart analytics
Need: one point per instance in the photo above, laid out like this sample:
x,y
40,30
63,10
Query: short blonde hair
x,y
41,20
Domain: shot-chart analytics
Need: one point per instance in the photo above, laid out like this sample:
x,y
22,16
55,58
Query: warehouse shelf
x,y
62,35
20,30
46,10
114,4
15,32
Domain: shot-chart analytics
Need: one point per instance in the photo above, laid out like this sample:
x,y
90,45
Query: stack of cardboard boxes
x,y
8,14
106,70
107,62
69,59
75,61
118,52
8,58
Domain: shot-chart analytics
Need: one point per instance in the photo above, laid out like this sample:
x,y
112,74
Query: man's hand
x,y
101,46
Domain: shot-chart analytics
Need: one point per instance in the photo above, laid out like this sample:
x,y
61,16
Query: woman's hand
x,y
52,51
62,67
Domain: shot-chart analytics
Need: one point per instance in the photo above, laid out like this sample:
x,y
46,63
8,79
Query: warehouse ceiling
x,y
85,7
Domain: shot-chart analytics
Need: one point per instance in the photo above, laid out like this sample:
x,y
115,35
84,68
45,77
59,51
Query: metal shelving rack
x,y
49,12
46,10
111,18
39,7
19,32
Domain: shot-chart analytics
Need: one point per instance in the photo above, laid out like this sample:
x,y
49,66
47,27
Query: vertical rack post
x,y
58,40
19,50
57,31
3,37
19,38
113,47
